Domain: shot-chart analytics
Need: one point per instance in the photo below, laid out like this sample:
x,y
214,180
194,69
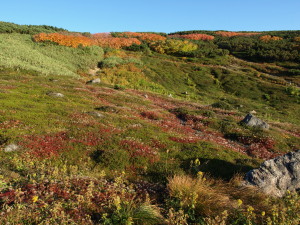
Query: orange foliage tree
x,y
267,38
143,36
66,40
231,34
204,37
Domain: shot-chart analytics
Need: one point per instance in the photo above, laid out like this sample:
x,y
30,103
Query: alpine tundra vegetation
x,y
144,127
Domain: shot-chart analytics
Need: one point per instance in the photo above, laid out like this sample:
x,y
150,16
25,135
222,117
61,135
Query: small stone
x,y
94,81
95,114
11,148
55,94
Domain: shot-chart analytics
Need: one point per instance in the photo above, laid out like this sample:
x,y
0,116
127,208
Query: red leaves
x,y
46,146
138,149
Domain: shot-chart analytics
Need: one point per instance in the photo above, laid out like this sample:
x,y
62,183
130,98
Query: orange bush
x,y
100,39
66,40
143,36
204,37
115,42
267,38
231,34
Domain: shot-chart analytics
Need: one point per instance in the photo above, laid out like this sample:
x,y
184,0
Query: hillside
x,y
159,140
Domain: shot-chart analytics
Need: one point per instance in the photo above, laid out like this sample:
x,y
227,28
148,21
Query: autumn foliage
x,y
203,37
115,42
232,34
100,39
267,38
66,40
143,36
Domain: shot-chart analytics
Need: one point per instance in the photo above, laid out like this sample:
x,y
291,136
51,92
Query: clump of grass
x,y
203,195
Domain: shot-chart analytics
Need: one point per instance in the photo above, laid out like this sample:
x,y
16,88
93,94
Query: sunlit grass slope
x,y
18,51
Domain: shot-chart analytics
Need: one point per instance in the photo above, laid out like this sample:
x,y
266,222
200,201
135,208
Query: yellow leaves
x,y
172,46
35,198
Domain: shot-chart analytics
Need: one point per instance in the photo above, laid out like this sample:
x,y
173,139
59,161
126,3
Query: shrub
x,y
222,105
171,46
114,61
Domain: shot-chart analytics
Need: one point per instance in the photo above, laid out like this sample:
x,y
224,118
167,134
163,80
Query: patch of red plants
x,y
157,144
46,146
138,149
186,140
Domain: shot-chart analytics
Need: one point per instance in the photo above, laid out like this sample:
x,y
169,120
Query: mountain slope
x,y
158,141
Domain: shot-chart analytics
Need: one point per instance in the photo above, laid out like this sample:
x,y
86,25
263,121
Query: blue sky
x,y
155,15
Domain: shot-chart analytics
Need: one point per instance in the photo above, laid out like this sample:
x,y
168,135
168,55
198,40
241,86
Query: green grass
x,y
20,52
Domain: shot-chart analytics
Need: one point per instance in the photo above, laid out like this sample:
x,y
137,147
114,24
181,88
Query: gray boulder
x,y
253,121
277,176
94,81
11,148
55,94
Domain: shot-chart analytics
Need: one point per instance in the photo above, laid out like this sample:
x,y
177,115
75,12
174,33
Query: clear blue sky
x,y
155,15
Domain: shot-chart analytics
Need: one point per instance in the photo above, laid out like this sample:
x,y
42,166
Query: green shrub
x,y
114,61
222,105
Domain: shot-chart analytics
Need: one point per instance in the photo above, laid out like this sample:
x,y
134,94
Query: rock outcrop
x,y
277,176
253,121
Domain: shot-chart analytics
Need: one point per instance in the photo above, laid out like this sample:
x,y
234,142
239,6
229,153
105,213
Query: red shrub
x,y
46,146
